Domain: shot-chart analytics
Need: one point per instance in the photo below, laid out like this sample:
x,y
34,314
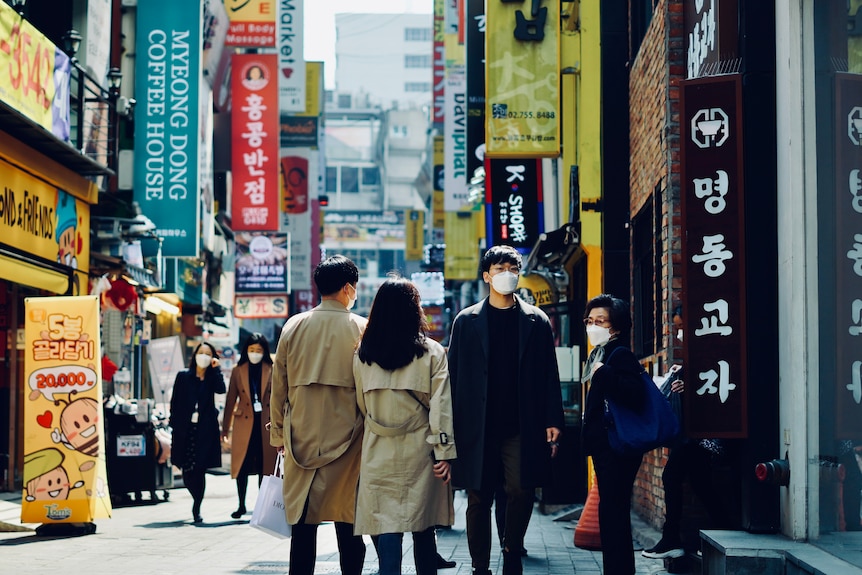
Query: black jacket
x,y
540,403
618,379
188,390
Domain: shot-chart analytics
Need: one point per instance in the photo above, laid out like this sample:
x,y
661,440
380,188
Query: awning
x,y
33,275
553,249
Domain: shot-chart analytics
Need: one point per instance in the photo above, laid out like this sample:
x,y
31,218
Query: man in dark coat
x,y
507,405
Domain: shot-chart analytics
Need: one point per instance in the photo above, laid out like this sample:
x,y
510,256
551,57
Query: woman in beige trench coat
x,y
402,389
246,410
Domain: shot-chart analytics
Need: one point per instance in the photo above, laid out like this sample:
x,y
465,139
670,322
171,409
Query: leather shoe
x,y
238,513
443,564
198,519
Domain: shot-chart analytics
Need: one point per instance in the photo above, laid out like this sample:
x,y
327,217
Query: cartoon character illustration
x,y
67,229
79,426
45,477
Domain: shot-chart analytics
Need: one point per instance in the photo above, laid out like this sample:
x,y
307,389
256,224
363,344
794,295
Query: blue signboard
x,y
167,119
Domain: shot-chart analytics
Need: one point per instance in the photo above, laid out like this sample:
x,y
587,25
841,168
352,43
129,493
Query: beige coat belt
x,y
323,459
418,421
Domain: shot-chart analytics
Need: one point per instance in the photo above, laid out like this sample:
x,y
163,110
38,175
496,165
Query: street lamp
x,y
115,80
71,42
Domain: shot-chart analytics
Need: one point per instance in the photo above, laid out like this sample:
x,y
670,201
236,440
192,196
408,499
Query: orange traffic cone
x,y
587,533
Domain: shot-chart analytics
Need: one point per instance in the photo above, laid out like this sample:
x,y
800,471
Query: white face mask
x,y
505,283
598,335
203,360
352,300
254,357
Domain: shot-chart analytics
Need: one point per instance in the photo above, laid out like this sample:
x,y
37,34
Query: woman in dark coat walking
x,y
613,373
194,422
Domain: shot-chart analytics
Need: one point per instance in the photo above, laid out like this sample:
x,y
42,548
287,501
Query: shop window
x,y
349,180
331,179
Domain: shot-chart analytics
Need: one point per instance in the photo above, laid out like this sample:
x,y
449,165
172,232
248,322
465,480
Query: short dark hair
x,y
250,341
618,312
501,255
395,333
331,274
192,363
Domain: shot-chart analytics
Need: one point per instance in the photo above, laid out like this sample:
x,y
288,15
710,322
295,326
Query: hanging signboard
x,y
261,263
514,204
252,23
522,71
713,254
848,261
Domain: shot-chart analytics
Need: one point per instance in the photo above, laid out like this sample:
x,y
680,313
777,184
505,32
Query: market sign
x,y
252,23
254,149
34,74
522,55
713,253
167,121
65,480
848,261
291,57
514,204
261,263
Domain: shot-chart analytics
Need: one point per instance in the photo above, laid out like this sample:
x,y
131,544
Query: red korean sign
x,y
254,137
848,257
294,174
713,252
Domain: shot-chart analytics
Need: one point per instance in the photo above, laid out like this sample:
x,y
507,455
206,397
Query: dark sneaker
x,y
664,549
444,564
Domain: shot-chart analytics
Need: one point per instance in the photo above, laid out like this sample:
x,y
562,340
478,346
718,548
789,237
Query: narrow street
x,y
160,539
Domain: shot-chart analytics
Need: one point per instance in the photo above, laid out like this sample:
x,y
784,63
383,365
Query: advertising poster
x,y
294,177
291,57
167,130
261,263
34,74
252,23
254,151
522,105
65,478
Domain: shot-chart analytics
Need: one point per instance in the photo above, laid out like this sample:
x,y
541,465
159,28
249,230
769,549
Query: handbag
x,y
634,432
268,515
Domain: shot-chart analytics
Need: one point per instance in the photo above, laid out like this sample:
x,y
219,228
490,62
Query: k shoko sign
x,y
713,257
514,206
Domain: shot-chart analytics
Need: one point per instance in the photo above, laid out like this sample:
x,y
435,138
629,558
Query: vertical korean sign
x,y
255,141
291,58
713,257
848,260
167,170
522,103
64,441
439,64
475,51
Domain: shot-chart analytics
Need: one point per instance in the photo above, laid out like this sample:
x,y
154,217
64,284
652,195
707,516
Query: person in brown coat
x,y
247,412
316,420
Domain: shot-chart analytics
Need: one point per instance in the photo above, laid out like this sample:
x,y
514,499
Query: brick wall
x,y
654,138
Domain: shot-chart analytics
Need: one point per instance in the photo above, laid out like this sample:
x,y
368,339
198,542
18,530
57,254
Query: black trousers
x,y
424,552
502,464
303,549
695,462
616,475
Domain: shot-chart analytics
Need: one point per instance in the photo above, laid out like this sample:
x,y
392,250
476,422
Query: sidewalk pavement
x,y
159,538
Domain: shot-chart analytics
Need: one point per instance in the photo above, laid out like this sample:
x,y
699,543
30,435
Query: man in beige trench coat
x,y
316,421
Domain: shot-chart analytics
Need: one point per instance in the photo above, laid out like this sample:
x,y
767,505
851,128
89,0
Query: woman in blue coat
x,y
195,445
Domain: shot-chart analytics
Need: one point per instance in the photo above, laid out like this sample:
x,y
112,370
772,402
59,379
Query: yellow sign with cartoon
x,y
65,478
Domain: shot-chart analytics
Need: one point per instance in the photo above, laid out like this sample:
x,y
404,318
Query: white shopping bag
x,y
268,513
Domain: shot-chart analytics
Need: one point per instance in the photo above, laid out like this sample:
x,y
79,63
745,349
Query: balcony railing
x,y
93,118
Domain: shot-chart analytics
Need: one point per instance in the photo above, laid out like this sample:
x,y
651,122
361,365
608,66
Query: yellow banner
x,y
522,93
42,220
313,89
65,478
462,245
251,10
414,232
26,68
